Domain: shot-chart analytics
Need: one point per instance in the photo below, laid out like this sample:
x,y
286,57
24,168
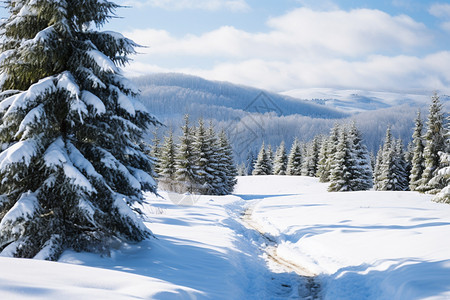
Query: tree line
x,y
340,158
200,163
343,160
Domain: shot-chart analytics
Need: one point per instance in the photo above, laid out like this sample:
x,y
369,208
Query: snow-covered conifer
x,y
216,165
326,157
417,162
270,158
311,158
294,165
340,175
400,172
227,163
280,160
72,162
155,151
361,169
434,143
185,160
202,147
377,169
262,166
167,167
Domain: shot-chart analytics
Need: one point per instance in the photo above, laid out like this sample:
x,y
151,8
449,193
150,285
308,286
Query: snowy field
x,y
361,245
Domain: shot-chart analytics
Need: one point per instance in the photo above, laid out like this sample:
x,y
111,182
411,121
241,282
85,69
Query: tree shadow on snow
x,y
409,279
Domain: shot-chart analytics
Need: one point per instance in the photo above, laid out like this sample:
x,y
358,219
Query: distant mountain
x,y
352,101
172,94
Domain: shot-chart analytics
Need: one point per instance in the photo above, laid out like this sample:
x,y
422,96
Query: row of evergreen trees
x,y
344,161
424,167
201,163
341,159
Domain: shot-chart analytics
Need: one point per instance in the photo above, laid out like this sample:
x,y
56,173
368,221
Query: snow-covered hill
x,y
177,94
363,245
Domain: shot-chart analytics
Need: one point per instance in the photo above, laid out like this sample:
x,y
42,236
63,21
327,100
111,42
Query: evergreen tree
x,y
167,167
72,161
262,166
294,166
322,170
360,169
327,158
202,147
216,166
311,158
377,169
280,160
417,161
385,181
185,160
340,177
443,175
434,143
227,163
400,173
270,157
155,152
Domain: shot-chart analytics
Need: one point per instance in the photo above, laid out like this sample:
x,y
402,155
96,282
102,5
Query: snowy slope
x,y
363,245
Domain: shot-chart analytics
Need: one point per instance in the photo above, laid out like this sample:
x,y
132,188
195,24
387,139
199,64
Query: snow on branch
x,y
56,156
111,162
94,101
23,210
103,62
34,115
21,100
20,152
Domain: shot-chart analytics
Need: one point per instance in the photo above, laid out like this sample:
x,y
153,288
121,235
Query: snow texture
x,y
24,209
363,246
20,152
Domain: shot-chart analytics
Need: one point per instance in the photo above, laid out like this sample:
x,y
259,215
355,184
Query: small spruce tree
x,y
280,160
294,165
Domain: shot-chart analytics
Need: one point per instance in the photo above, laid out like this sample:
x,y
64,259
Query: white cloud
x,y
440,10
358,49
211,5
302,32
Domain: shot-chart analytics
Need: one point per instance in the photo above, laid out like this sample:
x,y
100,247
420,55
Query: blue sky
x,y
280,45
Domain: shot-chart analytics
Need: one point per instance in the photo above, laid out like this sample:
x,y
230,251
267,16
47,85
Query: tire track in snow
x,y
311,286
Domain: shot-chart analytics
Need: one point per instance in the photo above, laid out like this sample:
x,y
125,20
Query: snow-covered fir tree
x,y
377,169
155,152
226,163
400,171
294,165
202,147
434,143
443,175
262,164
390,173
167,166
340,175
361,169
326,157
270,158
185,160
417,161
311,157
72,161
216,166
280,160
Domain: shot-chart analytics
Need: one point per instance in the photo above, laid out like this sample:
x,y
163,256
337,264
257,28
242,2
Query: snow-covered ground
x,y
362,245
